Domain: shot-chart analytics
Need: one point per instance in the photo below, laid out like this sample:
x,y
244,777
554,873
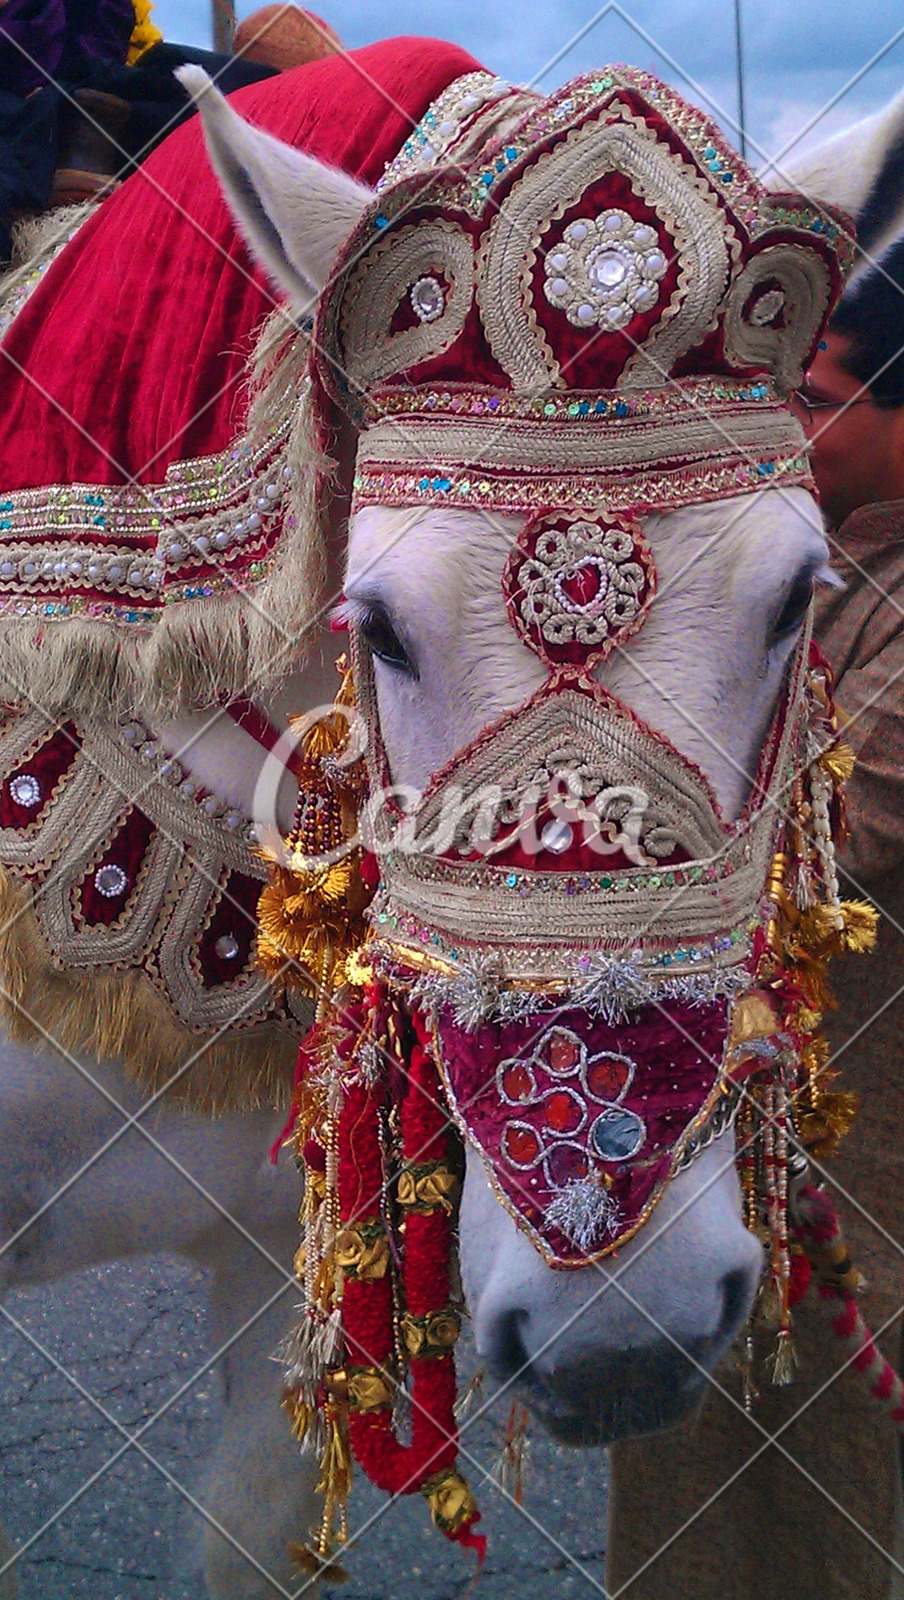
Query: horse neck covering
x,y
160,549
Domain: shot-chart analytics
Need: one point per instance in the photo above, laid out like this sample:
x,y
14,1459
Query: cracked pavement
x,y
131,1333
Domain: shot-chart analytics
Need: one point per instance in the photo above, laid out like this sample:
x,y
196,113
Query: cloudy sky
x,y
799,54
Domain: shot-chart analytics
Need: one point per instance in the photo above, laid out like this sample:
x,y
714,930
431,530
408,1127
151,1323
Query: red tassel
x,y
370,870
304,1061
799,1282
472,1541
281,1138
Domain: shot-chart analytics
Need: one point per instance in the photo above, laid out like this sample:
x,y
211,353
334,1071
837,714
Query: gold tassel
x,y
317,1400
299,1413
805,1020
822,1128
784,1362
511,1467
810,972
470,1394
325,1568
838,762
771,1304
818,930
861,926
311,913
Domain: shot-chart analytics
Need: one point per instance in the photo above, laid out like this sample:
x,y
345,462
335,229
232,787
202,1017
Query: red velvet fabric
x,y
367,1304
127,850
599,363
129,355
48,765
235,918
532,1093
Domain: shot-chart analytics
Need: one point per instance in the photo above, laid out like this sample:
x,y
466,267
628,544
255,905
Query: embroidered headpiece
x,y
573,952
604,309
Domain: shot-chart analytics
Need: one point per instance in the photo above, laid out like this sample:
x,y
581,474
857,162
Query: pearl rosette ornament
x,y
577,587
605,269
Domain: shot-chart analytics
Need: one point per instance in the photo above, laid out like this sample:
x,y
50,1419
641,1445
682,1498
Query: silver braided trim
x,y
721,1119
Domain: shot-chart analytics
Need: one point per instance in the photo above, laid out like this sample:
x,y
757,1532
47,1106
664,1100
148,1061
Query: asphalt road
x,y
130,1335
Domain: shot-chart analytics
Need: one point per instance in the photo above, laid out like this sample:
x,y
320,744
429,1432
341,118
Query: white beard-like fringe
x,y
585,1213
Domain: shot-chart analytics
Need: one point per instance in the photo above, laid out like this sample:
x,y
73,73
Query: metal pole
x,y
223,25
739,56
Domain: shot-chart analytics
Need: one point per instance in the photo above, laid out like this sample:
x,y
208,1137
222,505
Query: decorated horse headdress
x,y
594,315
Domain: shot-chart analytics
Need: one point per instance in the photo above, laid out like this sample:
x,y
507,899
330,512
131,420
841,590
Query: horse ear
x,y
294,212
861,170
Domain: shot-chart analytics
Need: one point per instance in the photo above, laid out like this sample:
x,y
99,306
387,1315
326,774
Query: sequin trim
x,y
439,128
660,491
657,450
214,509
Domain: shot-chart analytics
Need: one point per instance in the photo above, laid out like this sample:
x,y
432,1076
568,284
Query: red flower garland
x,y
428,1462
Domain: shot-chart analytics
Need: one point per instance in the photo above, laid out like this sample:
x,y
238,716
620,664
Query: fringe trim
x,y
205,651
200,653
36,240
307,1354
121,1015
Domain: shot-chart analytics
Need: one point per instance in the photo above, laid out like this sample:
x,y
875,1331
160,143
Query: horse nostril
x,y
509,1358
737,1292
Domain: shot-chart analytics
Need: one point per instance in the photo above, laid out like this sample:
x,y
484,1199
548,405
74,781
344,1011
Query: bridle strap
x,y
252,720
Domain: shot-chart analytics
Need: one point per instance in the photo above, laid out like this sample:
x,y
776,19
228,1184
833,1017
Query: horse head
x,y
582,548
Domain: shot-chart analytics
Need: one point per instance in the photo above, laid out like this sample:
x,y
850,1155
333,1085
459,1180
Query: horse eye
x,y
794,609
382,640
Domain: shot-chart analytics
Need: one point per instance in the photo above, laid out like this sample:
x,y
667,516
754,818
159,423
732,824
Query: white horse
x,y
621,1348
601,1353
83,1183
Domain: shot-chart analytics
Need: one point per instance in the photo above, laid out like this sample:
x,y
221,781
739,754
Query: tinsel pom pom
x,y
822,1128
323,1568
584,1212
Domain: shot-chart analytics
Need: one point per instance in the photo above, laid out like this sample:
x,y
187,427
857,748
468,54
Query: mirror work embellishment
x,y
604,269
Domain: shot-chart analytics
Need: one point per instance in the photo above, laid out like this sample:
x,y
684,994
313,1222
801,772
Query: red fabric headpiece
x,y
601,308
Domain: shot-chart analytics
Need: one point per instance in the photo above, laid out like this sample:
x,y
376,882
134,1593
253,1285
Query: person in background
x,y
714,1511
87,90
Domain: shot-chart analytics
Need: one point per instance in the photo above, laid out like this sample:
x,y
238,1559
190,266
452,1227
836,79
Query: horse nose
x,y
738,1290
505,1352
516,1351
